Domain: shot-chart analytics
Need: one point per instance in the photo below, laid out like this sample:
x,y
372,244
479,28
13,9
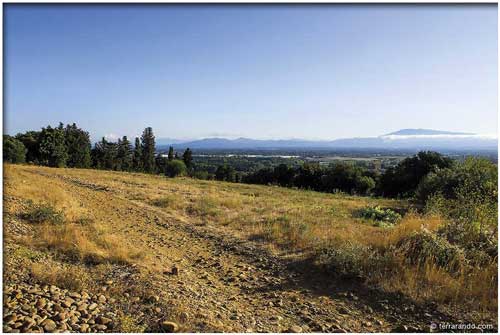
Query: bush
x,y
43,213
14,150
424,246
383,216
165,202
353,260
476,176
175,168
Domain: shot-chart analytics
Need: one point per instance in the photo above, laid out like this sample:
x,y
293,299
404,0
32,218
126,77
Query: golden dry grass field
x,y
190,255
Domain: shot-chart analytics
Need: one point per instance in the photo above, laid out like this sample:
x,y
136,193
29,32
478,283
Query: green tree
x,y
175,168
171,153
187,157
31,141
14,150
78,147
403,179
124,154
161,163
148,150
137,156
225,173
105,155
364,184
53,151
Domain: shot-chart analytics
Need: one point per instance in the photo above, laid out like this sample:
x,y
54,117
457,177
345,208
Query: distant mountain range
x,y
420,139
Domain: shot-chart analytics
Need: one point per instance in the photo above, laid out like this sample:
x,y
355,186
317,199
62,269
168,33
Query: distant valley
x,y
407,139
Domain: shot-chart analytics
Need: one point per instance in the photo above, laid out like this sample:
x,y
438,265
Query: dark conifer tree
x,y
161,163
137,156
148,150
170,153
187,157
124,154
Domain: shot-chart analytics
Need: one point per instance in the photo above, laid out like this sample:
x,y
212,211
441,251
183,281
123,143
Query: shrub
x,y
43,213
175,168
353,260
166,201
423,247
383,216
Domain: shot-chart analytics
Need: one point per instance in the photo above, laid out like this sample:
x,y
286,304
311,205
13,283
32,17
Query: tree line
x,y
70,146
420,176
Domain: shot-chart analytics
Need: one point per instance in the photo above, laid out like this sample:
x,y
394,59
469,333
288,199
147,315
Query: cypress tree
x,y
137,156
124,154
170,153
187,157
148,150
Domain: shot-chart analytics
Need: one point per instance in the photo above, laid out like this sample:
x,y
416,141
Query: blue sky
x,y
314,72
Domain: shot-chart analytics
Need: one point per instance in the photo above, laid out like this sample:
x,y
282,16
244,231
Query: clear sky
x,y
314,72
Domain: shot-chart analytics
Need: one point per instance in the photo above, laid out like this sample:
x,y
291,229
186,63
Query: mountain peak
x,y
420,131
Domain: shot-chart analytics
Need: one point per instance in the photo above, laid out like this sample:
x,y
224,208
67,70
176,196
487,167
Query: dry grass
x,y
70,277
289,220
64,226
83,244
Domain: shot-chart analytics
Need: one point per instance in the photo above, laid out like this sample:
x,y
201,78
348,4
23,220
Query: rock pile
x,y
35,308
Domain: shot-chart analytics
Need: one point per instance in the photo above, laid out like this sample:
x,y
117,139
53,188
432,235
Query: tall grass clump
x,y
39,213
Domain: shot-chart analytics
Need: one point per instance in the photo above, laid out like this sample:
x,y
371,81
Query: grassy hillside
x,y
125,234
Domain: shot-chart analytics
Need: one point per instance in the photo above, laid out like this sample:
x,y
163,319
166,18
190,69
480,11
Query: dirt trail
x,y
233,285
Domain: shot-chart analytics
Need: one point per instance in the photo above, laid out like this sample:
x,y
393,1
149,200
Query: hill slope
x,y
134,251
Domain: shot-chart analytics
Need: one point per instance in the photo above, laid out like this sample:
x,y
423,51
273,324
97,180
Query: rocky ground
x,y
195,278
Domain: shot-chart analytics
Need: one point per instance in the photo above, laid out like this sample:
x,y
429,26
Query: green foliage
x,y
14,150
402,180
78,145
31,140
204,175
424,246
466,194
105,154
53,150
352,260
161,163
364,185
137,156
175,168
124,154
383,216
336,177
42,213
187,157
148,150
171,153
225,173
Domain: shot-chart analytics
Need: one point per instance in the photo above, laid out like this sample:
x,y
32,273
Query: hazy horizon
x,y
315,72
